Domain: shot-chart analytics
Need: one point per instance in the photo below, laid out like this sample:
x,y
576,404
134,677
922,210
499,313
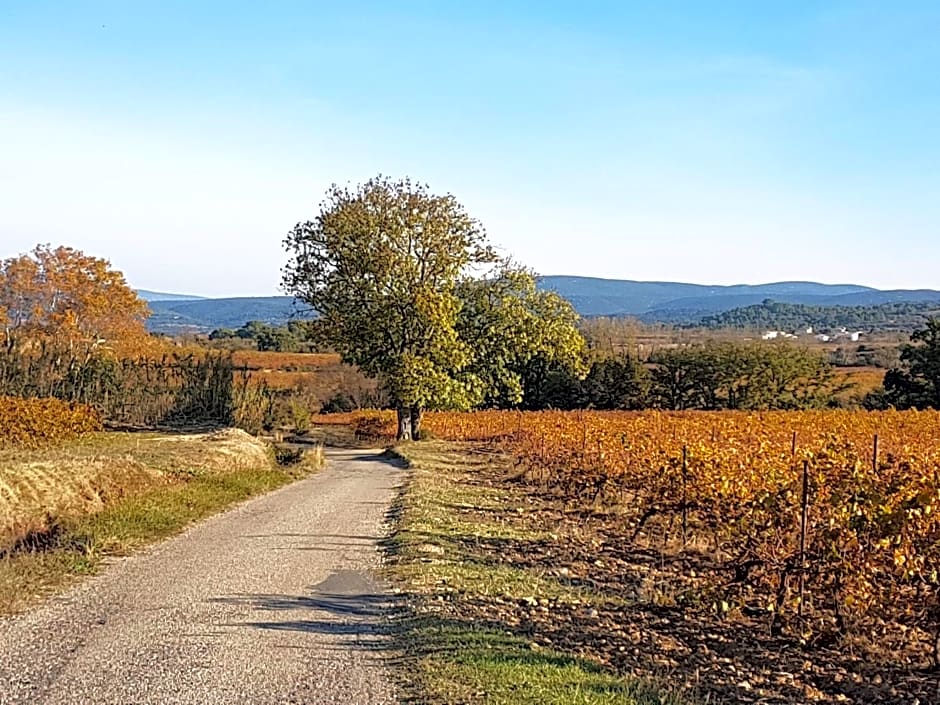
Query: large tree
x,y
725,375
67,296
380,265
916,384
512,327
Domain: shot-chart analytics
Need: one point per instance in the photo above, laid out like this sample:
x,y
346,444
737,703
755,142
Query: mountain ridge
x,y
148,295
651,301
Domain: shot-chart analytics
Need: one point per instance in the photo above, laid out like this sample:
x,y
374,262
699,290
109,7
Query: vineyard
x,y
283,371
288,362
823,524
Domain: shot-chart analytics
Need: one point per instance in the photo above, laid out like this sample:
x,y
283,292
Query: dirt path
x,y
272,602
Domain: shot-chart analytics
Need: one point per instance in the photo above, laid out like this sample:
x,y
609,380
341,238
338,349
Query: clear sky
x,y
710,142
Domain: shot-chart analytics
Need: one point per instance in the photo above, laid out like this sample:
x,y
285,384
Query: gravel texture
x,y
271,602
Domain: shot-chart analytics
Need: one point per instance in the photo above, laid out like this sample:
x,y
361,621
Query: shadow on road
x,y
350,537
344,606
348,603
385,457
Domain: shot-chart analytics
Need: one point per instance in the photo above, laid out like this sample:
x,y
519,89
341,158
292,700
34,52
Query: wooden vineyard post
x,y
803,521
874,455
793,445
583,440
685,503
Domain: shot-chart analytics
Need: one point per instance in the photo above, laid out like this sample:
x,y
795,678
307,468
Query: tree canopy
x,y
407,288
65,295
296,336
511,328
916,383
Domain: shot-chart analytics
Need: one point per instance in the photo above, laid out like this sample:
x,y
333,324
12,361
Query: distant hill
x,y
163,296
878,298
673,302
614,297
204,315
668,302
772,315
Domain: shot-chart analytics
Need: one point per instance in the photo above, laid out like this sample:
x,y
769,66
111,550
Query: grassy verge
x,y
110,493
483,619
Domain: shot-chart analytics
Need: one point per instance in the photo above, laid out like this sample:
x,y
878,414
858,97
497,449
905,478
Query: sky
x,y
719,143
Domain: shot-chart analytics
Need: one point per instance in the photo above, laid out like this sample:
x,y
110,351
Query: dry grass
x,y
39,488
64,509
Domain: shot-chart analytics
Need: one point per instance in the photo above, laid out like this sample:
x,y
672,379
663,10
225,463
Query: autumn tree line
x,y
73,330
407,288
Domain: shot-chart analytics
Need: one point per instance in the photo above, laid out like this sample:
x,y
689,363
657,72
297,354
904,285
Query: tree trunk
x,y
416,412
404,423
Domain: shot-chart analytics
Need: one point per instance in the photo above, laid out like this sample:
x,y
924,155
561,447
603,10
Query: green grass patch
x,y
458,532
468,664
162,512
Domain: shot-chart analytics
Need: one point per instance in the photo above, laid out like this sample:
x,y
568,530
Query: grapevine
x,y
871,543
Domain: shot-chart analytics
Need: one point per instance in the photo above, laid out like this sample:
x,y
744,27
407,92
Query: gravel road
x,y
272,602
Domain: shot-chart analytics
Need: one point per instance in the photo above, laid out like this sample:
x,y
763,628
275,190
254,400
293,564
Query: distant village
x,y
840,334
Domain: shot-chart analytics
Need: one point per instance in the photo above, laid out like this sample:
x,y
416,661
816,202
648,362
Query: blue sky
x,y
720,142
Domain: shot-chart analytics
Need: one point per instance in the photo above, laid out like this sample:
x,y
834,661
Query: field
x,y
288,362
296,372
818,529
515,597
303,383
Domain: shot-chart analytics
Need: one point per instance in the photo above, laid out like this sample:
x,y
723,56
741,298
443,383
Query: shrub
x,y
301,416
339,403
33,422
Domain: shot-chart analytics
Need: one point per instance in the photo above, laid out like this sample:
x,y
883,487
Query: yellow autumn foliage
x,y
34,422
733,486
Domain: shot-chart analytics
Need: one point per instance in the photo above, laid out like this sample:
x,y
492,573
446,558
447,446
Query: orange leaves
x,y
287,362
64,294
280,370
872,540
33,422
